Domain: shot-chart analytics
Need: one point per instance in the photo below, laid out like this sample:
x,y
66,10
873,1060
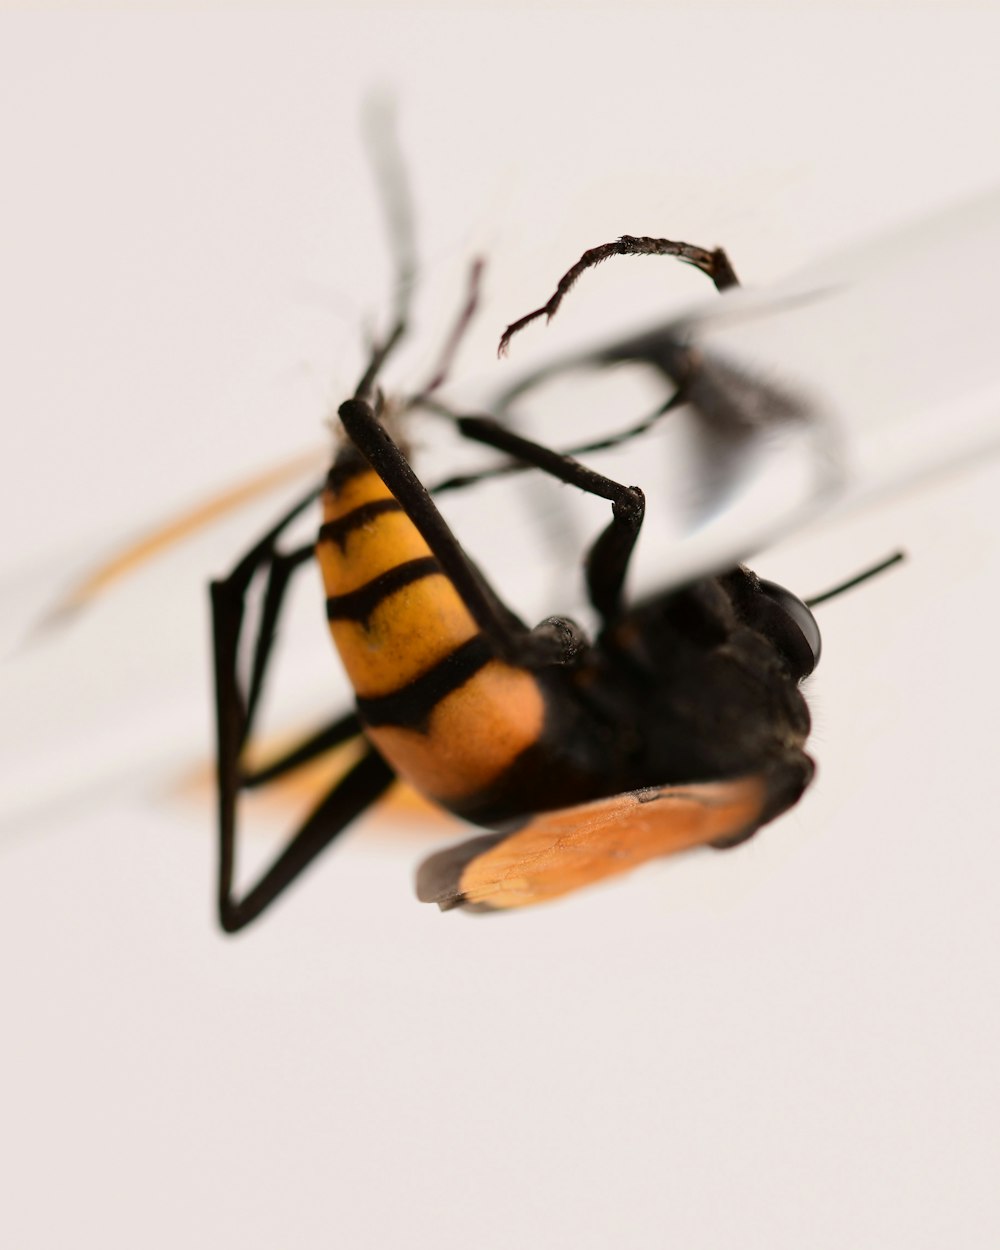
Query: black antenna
x,y
874,571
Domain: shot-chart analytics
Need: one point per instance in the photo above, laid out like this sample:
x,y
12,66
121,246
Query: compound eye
x,y
793,629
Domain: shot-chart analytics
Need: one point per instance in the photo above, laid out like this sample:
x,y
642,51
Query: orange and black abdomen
x,y
448,716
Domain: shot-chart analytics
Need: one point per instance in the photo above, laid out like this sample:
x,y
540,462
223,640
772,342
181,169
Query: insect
x,y
897,337
680,723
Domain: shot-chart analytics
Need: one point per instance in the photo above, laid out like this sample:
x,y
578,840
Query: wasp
x,y
680,723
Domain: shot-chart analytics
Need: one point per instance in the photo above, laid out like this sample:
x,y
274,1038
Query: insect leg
x,y
458,331
333,735
229,595
281,569
459,481
608,559
389,169
510,637
354,792
715,264
235,711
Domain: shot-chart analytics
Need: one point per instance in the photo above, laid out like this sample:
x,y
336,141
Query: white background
x,y
793,1045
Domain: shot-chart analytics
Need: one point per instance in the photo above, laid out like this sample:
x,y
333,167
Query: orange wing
x,y
174,530
562,851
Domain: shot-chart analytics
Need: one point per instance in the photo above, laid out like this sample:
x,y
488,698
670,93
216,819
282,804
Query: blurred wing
x,y
562,851
175,529
857,378
893,344
119,699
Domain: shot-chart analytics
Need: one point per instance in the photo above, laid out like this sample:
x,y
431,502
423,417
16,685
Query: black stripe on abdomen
x,y
358,605
411,705
338,531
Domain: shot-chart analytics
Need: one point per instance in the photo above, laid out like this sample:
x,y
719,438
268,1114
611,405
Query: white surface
x,y
793,1045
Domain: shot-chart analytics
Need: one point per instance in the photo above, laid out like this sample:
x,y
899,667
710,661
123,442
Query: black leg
x,y
341,730
229,595
281,569
235,711
513,642
608,559
357,790
393,188
715,264
459,481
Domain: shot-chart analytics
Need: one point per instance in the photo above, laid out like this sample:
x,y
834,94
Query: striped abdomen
x,y
443,711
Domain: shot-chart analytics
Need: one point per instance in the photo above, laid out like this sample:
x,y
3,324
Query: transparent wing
x,y
858,377
893,344
116,696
